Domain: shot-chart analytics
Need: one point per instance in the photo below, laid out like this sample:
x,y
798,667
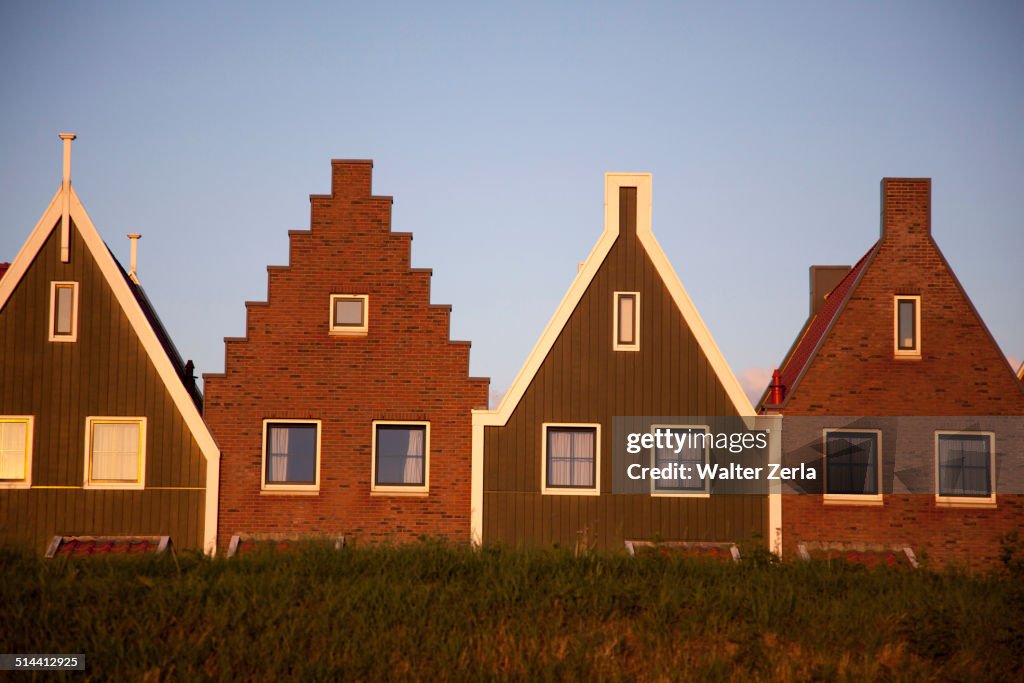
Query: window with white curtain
x,y
571,461
115,452
400,456
687,453
964,465
15,451
291,455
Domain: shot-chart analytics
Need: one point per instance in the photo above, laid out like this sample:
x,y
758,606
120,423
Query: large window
x,y
853,465
291,455
964,467
626,321
401,457
349,313
572,463
15,451
682,449
907,325
115,452
63,311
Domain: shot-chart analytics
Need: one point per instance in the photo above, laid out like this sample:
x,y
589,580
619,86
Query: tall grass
x,y
434,612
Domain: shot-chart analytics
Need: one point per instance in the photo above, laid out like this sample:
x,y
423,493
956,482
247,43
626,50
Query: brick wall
x,y
961,371
289,367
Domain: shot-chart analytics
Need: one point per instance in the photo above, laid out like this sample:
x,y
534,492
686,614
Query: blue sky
x,y
767,127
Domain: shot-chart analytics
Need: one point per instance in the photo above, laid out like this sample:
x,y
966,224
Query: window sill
x,y
853,499
113,487
347,333
681,494
569,492
16,485
982,503
907,356
398,494
290,492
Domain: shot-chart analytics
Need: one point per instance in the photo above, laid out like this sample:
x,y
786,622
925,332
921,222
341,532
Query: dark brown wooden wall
x,y
583,380
105,373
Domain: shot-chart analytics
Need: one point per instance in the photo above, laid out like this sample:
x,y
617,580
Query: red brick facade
x,y
855,372
288,366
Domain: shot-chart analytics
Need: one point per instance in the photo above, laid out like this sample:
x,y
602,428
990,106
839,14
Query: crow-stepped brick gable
x,y
345,409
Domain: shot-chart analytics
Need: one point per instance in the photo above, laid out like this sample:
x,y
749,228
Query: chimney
x,y
776,390
65,191
906,208
823,280
133,266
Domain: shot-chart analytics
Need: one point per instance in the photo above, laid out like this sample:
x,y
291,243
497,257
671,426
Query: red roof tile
x,y
803,351
3,268
73,546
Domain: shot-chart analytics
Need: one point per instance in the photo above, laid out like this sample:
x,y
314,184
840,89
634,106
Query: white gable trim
x,y
500,416
130,305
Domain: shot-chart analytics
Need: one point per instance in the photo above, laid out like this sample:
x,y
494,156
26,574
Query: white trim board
x,y
500,416
49,222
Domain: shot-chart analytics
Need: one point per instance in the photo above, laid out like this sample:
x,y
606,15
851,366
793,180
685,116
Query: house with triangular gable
x,y
898,395
624,355
102,442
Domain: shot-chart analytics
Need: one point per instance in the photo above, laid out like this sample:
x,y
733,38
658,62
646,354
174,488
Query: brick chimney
x,y
351,177
906,208
823,280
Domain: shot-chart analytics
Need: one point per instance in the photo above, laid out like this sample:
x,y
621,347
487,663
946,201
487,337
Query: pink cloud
x,y
754,381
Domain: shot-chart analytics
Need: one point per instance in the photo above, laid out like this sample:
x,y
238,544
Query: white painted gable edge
x,y
137,318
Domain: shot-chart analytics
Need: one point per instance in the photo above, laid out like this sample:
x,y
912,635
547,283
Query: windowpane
x,y
965,465
115,451
627,319
348,312
291,453
63,310
401,455
690,455
907,324
13,436
571,457
851,463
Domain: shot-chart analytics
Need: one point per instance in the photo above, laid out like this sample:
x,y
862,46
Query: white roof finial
x,y
65,190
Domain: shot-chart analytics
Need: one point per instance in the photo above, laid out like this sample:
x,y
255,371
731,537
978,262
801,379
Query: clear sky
x,y
767,127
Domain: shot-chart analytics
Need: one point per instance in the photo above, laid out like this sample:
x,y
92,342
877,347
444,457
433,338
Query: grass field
x,y
433,612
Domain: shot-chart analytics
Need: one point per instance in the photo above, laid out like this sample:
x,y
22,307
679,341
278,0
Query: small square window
x,y
964,467
572,463
349,313
853,465
63,311
16,451
401,452
685,447
626,333
115,454
291,455
907,325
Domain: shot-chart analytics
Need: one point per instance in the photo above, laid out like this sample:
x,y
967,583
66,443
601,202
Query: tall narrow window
x,y
571,459
401,457
115,452
907,325
964,467
626,321
852,465
63,311
349,314
15,451
291,455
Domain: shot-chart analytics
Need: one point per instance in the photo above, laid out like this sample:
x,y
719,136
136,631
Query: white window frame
x,y
661,493
52,324
897,351
616,345
29,422
400,489
349,330
87,481
851,498
967,501
270,488
561,490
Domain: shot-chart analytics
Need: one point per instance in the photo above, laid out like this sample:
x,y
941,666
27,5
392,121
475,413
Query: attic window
x,y
907,326
349,314
63,311
626,321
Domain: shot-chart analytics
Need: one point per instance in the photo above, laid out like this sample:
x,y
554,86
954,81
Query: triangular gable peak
x,y
613,183
64,212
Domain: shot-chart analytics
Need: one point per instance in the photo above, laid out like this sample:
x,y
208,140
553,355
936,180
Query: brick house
x,y
345,408
101,432
898,393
